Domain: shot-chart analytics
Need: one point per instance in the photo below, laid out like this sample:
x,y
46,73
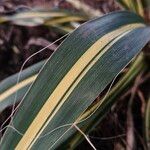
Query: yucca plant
x,y
58,109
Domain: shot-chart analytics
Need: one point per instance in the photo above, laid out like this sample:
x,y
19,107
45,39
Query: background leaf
x,y
9,86
36,17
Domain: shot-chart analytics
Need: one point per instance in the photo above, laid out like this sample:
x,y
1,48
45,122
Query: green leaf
x,y
83,65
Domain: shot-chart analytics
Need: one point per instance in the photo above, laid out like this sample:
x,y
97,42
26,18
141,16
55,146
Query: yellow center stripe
x,y
13,89
39,123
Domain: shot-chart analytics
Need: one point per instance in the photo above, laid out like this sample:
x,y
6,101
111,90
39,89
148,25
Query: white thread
x,y
88,140
12,128
108,138
14,109
39,71
59,138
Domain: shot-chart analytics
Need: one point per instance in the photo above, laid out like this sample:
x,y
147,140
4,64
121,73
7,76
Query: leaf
x,y
124,3
83,65
37,17
147,124
146,3
83,7
8,87
133,5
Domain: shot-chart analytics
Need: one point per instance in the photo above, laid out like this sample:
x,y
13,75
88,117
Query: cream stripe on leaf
x,y
18,86
55,96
